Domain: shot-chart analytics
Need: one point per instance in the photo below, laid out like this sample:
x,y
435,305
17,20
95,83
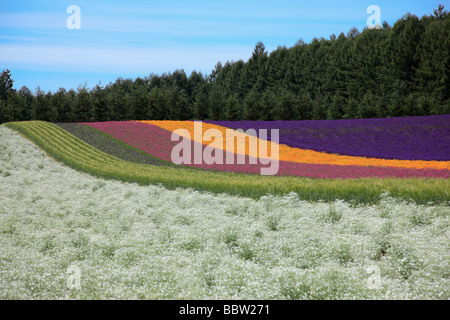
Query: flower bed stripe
x,y
156,141
405,138
290,154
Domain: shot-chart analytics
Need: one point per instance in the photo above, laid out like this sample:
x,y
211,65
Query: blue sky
x,y
135,38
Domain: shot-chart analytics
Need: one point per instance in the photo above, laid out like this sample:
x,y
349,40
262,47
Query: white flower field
x,y
146,242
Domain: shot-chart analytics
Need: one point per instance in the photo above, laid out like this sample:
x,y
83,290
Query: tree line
x,y
399,70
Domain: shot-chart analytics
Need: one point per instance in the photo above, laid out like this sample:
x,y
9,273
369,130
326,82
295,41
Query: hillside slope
x,y
146,242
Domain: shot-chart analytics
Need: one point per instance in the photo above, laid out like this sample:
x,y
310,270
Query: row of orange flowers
x,y
291,154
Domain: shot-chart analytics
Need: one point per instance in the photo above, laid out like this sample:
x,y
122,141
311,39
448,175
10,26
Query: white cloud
x,y
113,59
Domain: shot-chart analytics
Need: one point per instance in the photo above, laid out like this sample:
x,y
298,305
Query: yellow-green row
x,y
77,154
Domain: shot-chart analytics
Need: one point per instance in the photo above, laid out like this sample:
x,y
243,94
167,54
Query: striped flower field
x,y
398,147
107,156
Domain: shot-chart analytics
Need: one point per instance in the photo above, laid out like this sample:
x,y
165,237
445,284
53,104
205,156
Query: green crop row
x,y
79,155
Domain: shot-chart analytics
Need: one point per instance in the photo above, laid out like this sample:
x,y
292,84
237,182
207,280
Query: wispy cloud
x,y
30,20
118,59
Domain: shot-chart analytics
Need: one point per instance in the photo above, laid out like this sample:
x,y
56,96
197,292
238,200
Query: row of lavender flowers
x,y
405,138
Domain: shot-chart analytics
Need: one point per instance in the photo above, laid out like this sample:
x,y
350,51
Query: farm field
x,y
138,241
154,151
426,135
79,155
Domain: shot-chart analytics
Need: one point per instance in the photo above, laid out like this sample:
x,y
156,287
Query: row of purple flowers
x,y
405,138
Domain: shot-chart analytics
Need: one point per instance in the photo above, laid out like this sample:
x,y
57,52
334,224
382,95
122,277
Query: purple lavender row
x,y
405,138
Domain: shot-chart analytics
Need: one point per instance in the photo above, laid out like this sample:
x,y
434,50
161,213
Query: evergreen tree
x,y
6,111
336,109
26,100
177,104
233,108
71,97
304,106
196,84
368,107
156,105
6,92
63,105
82,107
350,109
440,13
268,105
138,99
251,106
51,113
287,107
200,106
39,107
99,103
216,104
6,85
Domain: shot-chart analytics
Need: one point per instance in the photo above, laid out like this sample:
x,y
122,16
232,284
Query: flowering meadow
x,y
144,241
154,138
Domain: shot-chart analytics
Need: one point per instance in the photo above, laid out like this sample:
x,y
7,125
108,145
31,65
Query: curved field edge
x,y
79,155
110,145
